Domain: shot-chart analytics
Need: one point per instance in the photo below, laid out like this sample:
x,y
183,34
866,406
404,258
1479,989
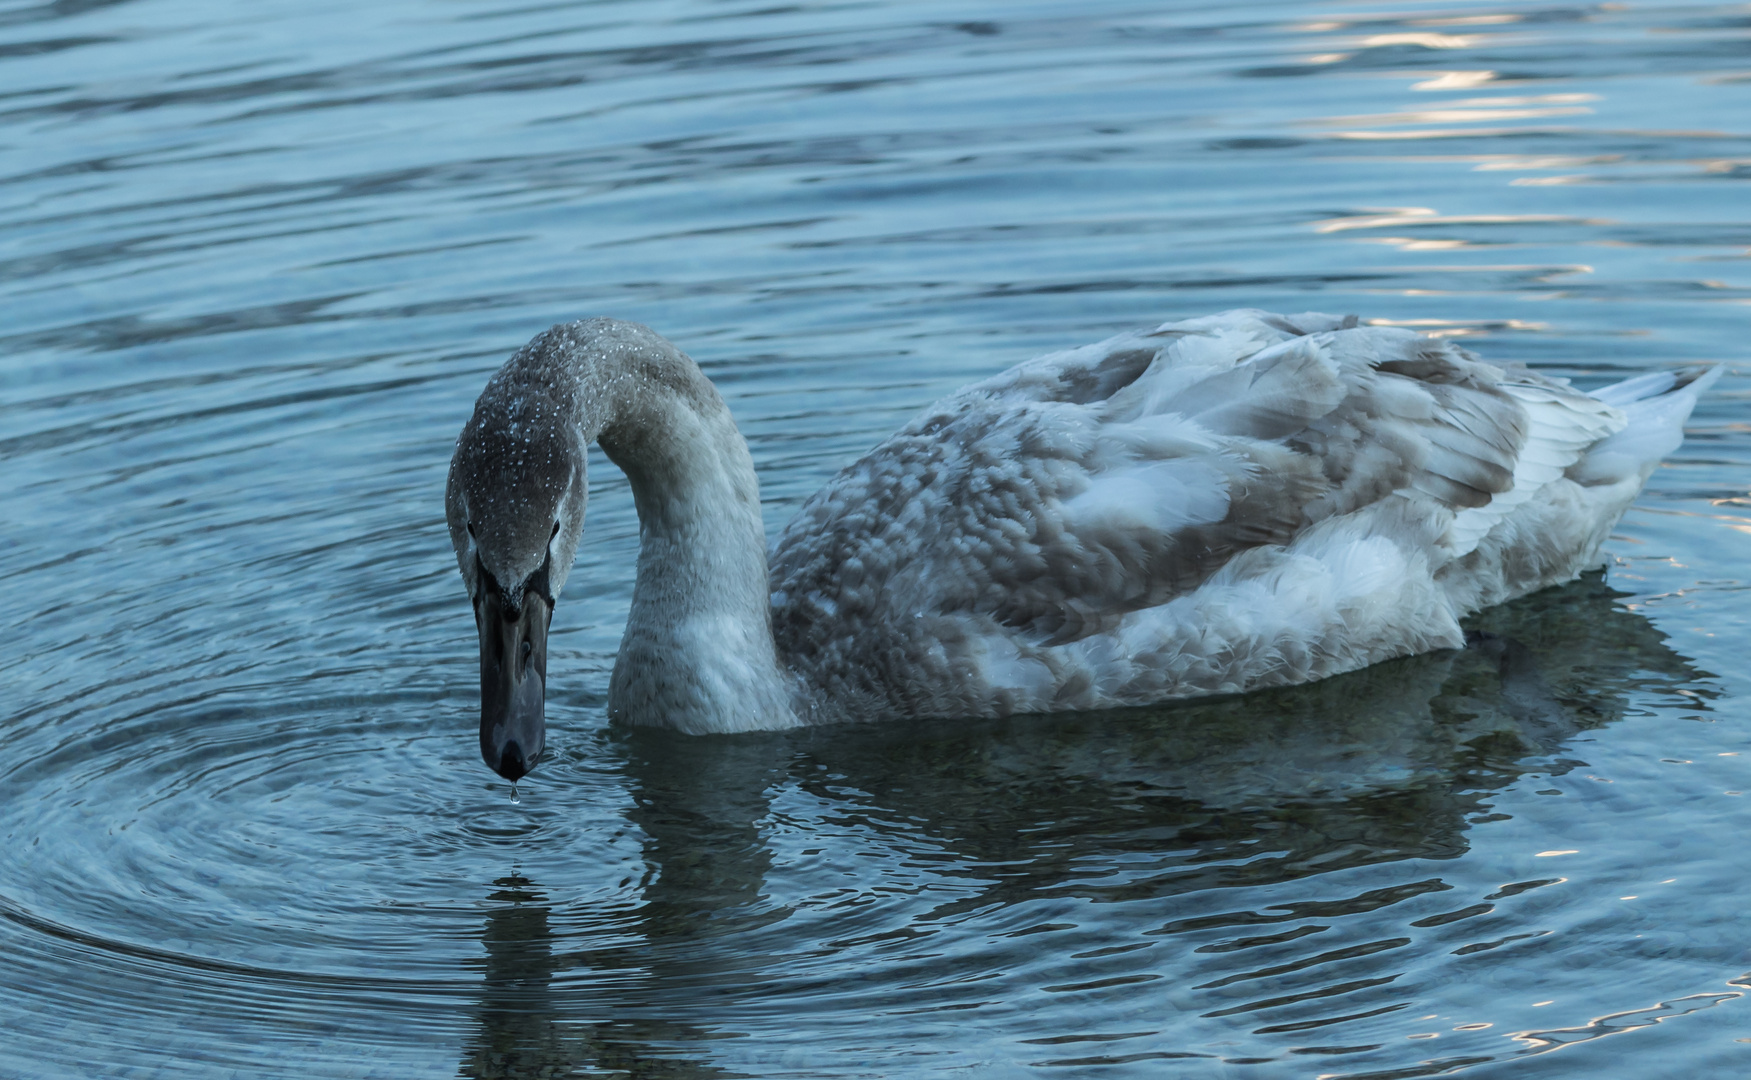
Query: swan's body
x,y
1214,506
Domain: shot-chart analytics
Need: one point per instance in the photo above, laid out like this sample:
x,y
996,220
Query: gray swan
x,y
1213,506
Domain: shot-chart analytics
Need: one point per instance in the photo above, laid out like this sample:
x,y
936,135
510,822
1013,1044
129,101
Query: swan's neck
x,y
698,653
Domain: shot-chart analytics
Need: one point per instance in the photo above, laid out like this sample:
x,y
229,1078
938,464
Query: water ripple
x,y
260,261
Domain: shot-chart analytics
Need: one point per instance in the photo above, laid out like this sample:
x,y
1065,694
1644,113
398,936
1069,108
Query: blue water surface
x,y
256,260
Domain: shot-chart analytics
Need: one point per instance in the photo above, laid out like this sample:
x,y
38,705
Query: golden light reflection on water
x,y
1505,324
1508,162
1381,217
1724,166
1470,110
1411,243
1425,40
1439,133
1456,80
1457,328
1469,20
1457,115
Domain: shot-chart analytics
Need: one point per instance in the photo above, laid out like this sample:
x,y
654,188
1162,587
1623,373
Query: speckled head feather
x,y
517,480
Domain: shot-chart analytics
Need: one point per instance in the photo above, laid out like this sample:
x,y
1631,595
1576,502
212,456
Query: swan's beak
x,y
513,681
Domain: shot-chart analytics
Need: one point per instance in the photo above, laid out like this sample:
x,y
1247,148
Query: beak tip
x,y
512,763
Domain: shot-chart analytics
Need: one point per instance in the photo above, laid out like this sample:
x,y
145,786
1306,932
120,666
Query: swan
x,y
1211,506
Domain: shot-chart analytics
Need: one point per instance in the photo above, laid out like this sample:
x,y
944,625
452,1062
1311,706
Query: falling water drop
x,y
514,799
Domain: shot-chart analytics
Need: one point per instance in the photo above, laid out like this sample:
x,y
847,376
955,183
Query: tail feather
x,y
1656,406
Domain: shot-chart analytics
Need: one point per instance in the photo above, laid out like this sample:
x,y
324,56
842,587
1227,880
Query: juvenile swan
x,y
1217,505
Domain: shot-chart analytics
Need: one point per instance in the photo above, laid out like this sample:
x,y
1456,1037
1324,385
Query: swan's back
x,y
1218,505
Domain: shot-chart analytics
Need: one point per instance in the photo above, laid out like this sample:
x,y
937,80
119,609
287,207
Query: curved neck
x,y
697,654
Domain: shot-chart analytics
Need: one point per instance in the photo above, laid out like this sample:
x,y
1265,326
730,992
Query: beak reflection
x,y
513,679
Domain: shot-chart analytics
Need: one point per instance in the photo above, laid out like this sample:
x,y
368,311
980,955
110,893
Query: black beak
x,y
513,679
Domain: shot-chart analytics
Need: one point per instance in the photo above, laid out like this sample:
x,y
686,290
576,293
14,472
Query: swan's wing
x,y
1055,499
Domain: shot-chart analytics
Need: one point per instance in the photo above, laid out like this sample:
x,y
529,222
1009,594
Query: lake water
x,y
256,261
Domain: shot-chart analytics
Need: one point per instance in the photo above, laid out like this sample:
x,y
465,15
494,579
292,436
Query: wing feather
x,y
1061,500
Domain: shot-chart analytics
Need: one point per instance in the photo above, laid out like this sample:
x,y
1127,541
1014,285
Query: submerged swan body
x,y
1213,506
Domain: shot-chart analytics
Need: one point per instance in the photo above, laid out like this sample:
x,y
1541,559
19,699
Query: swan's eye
x,y
554,533
471,531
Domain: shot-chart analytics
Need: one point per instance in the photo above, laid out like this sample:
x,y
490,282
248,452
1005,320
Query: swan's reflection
x,y
526,1026
542,1012
518,1034
1390,763
1381,764
700,803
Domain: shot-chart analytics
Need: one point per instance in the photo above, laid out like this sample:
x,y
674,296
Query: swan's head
x,y
515,506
